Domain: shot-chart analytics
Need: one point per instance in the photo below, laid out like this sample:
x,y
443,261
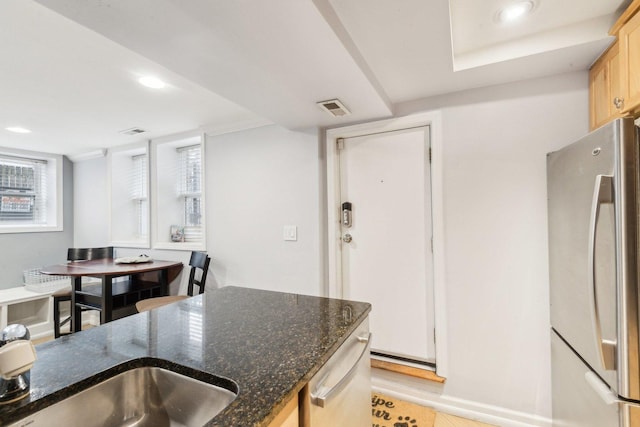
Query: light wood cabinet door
x,y
629,40
604,88
288,417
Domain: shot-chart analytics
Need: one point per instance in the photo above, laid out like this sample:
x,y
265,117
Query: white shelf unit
x,y
32,309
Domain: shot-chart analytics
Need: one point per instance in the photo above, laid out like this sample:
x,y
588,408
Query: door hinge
x,y
429,154
340,143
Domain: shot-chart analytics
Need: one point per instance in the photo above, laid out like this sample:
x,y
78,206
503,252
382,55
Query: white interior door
x,y
386,252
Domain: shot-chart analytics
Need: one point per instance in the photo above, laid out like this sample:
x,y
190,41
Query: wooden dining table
x,y
113,295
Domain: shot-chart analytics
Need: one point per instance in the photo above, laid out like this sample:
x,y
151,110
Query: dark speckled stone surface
x,y
268,343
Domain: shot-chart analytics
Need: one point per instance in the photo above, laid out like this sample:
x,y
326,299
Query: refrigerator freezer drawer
x,y
575,401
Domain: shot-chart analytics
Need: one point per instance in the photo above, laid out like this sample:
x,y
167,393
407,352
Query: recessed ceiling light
x,y
152,82
17,129
515,11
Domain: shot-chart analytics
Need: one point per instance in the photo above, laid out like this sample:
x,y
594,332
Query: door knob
x,y
347,238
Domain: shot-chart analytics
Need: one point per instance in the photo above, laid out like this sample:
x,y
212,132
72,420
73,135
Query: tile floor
x,y
446,420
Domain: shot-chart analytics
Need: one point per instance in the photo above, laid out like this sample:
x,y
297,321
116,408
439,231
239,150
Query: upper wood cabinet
x,y
614,79
629,41
605,95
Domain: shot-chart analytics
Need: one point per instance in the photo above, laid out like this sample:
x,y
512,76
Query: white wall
x,y
495,143
91,205
496,244
258,181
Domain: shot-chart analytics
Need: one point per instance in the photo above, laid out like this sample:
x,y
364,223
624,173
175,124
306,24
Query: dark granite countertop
x,y
268,343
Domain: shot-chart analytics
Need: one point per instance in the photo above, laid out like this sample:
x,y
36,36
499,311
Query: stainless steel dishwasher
x,y
340,393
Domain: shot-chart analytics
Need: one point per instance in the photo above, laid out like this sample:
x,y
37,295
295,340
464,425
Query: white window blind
x,y
23,190
138,176
190,190
129,195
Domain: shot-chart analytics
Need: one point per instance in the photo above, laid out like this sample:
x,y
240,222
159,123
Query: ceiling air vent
x,y
334,107
132,131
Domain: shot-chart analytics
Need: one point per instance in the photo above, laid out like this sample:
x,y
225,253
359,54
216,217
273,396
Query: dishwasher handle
x,y
321,399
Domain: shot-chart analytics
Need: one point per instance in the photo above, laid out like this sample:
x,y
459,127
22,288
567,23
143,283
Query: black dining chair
x,y
199,262
63,295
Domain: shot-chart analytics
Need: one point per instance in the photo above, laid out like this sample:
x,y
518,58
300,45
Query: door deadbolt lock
x,y
347,238
346,214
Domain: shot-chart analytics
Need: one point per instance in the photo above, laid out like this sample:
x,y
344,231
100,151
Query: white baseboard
x,y
384,383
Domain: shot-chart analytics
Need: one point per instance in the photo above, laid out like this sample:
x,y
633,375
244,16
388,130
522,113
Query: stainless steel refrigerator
x,y
593,187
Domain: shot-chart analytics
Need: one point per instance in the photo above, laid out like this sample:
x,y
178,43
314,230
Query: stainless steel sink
x,y
145,396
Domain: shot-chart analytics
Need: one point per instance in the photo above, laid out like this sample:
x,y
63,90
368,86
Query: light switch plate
x,y
290,233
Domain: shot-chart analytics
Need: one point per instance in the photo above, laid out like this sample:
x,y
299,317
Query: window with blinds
x,y
129,195
23,191
189,184
138,185
178,192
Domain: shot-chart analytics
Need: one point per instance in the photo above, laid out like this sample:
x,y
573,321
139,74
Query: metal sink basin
x,y
145,396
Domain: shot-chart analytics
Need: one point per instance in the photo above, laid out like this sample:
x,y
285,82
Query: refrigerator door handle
x,y
602,193
601,388
604,392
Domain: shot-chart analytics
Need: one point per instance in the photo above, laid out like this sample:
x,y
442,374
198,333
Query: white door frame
x,y
432,119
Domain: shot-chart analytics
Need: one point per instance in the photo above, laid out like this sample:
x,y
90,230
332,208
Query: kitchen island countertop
x,y
268,343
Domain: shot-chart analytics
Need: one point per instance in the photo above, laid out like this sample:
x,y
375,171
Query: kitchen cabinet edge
x,y
624,17
288,416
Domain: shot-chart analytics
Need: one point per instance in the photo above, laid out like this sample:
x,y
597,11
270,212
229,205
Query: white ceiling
x,y
479,38
69,69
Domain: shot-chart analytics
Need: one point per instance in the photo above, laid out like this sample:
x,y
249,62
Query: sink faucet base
x,y
13,389
17,355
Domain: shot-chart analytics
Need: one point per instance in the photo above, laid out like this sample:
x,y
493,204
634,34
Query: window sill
x,y
6,229
144,244
180,246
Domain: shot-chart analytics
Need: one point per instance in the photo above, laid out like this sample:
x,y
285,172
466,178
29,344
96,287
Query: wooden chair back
x,y
86,254
199,261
